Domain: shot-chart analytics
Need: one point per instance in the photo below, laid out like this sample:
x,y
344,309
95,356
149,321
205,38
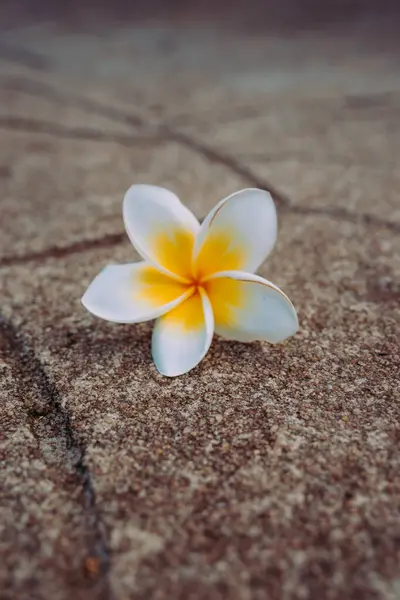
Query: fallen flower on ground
x,y
195,279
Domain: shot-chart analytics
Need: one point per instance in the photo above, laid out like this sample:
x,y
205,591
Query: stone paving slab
x,y
79,185
320,118
26,101
317,150
223,479
268,471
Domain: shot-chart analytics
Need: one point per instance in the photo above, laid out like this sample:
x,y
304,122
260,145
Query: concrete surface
x,y
267,472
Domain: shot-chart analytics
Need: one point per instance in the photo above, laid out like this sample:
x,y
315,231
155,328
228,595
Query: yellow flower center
x,y
220,252
173,250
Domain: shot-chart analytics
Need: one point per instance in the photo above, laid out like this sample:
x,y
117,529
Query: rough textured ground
x,y
267,472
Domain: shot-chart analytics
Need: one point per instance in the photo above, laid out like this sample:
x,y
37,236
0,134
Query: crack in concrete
x,y
164,133
280,198
226,160
110,240
24,57
48,416
341,214
80,133
49,92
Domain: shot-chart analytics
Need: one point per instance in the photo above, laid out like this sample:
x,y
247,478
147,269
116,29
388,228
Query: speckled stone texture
x,y
268,472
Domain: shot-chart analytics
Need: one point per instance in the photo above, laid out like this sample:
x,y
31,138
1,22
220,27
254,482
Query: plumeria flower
x,y
195,279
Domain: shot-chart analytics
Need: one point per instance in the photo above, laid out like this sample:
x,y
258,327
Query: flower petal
x,y
133,293
247,307
161,228
237,234
182,338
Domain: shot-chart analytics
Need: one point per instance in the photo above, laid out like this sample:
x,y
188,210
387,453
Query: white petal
x,y
132,293
161,228
182,338
247,307
237,234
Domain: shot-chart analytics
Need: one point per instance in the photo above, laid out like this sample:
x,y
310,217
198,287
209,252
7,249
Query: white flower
x,y
195,279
